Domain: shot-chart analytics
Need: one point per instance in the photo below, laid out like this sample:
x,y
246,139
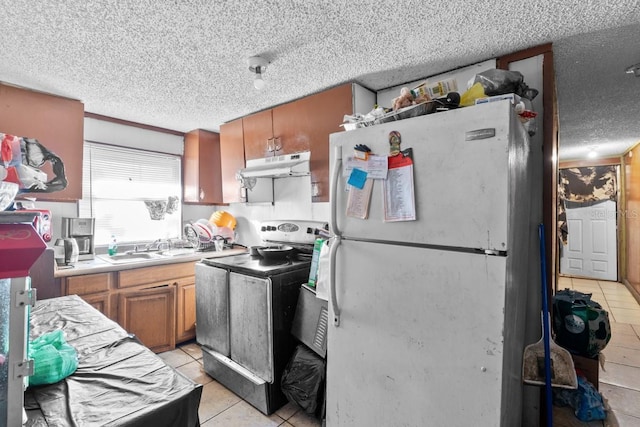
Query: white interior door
x,y
591,244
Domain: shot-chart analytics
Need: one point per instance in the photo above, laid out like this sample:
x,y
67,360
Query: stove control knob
x,y
263,228
309,230
271,228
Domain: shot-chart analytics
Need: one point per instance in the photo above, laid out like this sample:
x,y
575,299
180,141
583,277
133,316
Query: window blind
x,y
117,181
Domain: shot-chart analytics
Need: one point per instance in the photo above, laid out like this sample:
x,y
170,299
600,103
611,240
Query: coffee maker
x,y
82,230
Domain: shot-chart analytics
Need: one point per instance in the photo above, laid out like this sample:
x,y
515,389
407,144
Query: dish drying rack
x,y
198,243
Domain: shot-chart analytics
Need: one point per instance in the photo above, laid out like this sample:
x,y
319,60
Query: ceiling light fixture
x,y
258,66
634,69
592,152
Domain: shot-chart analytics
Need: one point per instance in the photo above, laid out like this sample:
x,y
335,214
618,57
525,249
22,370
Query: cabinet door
x,y
150,315
58,124
100,301
306,124
186,312
251,324
257,131
152,275
87,284
232,155
293,124
201,167
93,288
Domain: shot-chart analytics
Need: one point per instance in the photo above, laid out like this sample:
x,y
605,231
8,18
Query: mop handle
x,y
546,328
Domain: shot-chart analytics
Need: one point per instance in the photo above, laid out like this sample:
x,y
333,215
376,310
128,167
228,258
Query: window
x,y
133,194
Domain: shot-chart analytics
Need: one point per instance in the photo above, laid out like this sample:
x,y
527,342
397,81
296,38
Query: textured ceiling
x,y
182,65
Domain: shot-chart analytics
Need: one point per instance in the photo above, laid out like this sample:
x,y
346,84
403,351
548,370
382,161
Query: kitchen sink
x,y
129,257
176,252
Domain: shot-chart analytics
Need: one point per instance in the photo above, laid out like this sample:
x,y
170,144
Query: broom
x,y
545,362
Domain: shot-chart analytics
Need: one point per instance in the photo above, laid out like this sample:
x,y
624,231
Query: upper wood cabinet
x,y
257,132
232,151
305,125
201,167
58,125
301,125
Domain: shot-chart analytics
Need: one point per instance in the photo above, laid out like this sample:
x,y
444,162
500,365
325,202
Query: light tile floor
x,y
221,407
620,378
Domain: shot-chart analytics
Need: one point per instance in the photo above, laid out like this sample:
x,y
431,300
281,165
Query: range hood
x,y
282,166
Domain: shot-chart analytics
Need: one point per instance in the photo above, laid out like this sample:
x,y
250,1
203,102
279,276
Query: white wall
x,y
293,201
128,136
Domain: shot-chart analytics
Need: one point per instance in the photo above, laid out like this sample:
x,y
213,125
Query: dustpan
x,y
545,362
562,369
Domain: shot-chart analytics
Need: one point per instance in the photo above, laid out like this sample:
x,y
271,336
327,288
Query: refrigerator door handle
x,y
333,249
337,165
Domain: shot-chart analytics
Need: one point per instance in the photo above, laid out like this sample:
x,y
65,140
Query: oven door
x,y
212,308
251,324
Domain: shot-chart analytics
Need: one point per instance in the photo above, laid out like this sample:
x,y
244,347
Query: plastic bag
x,y
476,91
586,401
581,325
53,358
302,379
498,82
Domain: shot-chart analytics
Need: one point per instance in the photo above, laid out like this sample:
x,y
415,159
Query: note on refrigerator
x,y
399,196
359,200
375,166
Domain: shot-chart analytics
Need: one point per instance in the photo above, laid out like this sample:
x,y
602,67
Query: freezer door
x,y
212,308
461,186
420,342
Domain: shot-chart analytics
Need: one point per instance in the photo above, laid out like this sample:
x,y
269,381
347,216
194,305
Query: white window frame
x,y
118,180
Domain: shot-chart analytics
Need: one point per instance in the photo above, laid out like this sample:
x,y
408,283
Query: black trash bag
x,y
498,82
581,325
302,379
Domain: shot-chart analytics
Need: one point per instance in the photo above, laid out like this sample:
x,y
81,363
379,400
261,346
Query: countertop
x,y
98,265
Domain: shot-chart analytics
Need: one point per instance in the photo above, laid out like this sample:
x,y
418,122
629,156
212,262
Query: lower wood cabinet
x,y
94,289
186,313
157,304
100,301
150,315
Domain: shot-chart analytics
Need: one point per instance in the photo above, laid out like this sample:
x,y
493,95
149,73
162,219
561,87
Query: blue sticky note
x,y
357,178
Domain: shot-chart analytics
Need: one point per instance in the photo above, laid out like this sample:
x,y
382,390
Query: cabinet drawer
x,y
159,273
88,284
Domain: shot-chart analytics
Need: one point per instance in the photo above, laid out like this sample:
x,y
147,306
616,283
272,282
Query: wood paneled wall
x,y
56,122
632,215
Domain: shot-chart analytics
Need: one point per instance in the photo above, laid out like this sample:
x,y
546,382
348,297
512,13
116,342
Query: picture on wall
x,y
28,163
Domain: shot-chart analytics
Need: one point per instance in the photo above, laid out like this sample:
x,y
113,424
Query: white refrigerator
x,y
427,316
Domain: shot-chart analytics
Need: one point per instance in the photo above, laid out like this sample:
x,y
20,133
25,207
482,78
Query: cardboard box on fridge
x,y
435,89
515,99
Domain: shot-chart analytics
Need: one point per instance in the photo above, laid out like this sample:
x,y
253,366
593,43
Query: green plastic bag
x,y
53,358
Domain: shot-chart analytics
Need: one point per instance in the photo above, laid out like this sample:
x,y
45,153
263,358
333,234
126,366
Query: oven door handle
x,y
333,249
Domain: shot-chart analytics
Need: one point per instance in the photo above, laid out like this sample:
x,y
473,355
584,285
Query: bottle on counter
x,y
113,246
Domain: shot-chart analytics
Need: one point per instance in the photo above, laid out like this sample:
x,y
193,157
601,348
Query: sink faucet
x,y
156,245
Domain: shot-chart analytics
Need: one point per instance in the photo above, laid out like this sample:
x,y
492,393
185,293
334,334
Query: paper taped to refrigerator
x,y
399,196
359,200
375,166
